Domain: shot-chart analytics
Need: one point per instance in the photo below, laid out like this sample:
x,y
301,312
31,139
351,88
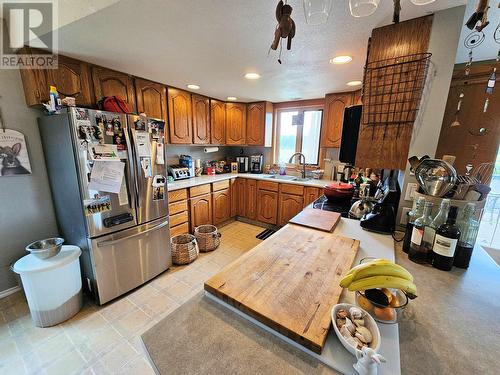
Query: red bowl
x,y
338,191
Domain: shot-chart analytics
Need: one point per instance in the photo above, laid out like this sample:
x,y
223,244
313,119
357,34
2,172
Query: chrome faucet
x,y
303,165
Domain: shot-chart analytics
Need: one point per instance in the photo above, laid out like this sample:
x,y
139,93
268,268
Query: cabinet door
x,y
267,206
151,98
235,123
201,210
356,97
217,122
221,206
335,104
72,78
238,200
289,206
310,195
201,119
251,197
256,123
180,116
112,83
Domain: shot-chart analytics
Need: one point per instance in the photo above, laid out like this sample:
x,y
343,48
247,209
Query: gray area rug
x,y
203,337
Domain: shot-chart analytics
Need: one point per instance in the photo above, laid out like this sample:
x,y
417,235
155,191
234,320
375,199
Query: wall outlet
x,y
404,215
411,188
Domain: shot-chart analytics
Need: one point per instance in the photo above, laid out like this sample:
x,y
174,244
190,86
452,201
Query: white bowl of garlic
x,y
355,328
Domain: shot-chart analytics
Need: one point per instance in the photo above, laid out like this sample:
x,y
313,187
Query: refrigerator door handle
x,y
137,171
113,242
129,168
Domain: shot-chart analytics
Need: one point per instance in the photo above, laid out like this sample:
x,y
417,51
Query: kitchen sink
x,y
286,178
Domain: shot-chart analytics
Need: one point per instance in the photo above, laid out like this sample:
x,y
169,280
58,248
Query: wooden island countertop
x,y
289,282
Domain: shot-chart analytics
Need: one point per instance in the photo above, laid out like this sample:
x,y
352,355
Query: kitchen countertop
x,y
205,179
334,354
453,326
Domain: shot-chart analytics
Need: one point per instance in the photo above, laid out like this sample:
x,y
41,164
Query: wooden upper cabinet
x,y
356,98
256,123
289,206
151,98
333,118
201,119
180,116
71,78
217,122
112,83
235,123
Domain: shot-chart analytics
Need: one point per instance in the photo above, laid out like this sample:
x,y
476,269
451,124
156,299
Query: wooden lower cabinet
x,y
267,206
289,206
238,190
221,202
310,195
179,229
251,199
201,210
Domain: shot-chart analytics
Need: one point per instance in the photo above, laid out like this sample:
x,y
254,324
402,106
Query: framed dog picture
x,y
14,159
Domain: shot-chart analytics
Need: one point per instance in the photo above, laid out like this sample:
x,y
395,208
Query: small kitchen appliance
x,y
187,161
382,218
256,163
242,164
179,172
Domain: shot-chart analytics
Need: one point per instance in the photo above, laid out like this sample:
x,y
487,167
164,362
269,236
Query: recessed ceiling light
x,y
341,59
354,83
232,98
193,87
252,76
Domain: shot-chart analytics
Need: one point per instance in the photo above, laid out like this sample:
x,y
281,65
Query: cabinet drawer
x,y
179,229
292,189
267,185
175,208
177,195
220,185
199,190
179,218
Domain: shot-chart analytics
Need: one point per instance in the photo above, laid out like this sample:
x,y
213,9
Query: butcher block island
x,y
289,282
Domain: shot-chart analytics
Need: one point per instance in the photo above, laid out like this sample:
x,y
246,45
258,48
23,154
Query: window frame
x,y
299,107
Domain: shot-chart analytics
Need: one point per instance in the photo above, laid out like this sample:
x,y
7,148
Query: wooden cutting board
x,y
289,282
317,219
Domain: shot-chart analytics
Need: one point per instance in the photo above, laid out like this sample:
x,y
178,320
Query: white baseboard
x,y
8,292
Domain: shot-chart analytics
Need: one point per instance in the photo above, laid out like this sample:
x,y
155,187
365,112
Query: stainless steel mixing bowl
x,y
435,177
47,248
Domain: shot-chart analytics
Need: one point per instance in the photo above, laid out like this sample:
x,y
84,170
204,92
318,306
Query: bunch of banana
x,y
379,273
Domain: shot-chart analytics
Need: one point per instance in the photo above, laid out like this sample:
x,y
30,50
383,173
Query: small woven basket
x,y
208,237
184,249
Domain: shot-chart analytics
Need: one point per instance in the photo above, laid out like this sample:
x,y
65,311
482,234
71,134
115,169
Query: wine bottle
x,y
412,216
430,230
468,227
445,242
419,253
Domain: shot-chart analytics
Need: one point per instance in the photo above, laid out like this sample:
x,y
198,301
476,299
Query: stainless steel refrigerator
x,y
108,174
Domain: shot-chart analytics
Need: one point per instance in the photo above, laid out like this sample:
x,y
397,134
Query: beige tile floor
x,y
106,339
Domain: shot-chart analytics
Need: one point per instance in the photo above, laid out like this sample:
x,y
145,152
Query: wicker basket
x,y
208,237
184,249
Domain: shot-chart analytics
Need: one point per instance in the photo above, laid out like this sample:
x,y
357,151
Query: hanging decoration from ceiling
x,y
397,11
285,28
317,11
480,15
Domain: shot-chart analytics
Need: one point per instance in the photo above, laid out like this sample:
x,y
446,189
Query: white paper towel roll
x,y
211,149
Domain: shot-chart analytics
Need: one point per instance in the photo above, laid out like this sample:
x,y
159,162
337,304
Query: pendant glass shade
x,y
317,11
422,2
363,8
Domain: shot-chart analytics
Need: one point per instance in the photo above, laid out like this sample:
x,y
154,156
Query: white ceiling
x,y
214,42
488,49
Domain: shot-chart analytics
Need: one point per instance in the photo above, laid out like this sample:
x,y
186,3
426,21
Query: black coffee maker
x,y
382,218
